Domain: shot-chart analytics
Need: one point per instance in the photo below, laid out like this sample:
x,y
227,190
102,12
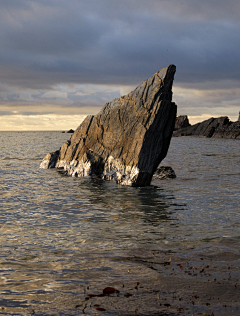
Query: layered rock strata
x,y
220,127
127,140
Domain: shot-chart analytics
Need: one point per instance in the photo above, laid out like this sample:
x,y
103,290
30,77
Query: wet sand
x,y
184,281
151,283
208,286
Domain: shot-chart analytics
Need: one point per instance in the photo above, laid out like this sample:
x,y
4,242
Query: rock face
x,y
127,140
220,127
181,121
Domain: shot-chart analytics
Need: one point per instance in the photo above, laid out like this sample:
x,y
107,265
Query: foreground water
x,y
64,238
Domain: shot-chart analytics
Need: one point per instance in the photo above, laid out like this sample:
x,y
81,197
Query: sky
x,y
62,60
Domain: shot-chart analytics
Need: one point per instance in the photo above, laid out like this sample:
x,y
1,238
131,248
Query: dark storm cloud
x,y
44,43
61,57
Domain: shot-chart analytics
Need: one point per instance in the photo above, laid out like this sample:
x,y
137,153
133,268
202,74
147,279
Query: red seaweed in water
x,y
100,309
92,295
109,290
127,294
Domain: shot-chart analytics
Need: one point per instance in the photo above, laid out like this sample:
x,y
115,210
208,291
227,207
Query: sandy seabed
x,y
147,283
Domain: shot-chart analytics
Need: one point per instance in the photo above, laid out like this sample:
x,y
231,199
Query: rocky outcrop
x,y
231,131
70,131
181,121
164,172
220,127
127,140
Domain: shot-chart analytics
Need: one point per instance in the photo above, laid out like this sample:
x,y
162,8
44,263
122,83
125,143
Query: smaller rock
x,y
50,160
181,121
70,131
164,172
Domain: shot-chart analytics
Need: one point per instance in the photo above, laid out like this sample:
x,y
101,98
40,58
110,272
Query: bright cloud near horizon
x,y
62,60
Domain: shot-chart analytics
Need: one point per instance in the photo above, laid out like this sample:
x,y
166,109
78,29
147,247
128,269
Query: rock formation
x,y
164,172
127,140
181,121
70,131
220,127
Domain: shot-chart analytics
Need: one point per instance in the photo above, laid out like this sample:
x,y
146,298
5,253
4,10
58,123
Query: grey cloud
x,y
3,113
26,113
44,43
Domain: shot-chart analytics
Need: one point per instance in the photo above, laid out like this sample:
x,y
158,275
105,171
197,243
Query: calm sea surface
x,y
63,238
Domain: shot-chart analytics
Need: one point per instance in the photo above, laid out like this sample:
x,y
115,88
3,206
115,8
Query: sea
x,y
73,246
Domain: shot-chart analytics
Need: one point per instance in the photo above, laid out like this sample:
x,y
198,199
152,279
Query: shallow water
x,y
62,237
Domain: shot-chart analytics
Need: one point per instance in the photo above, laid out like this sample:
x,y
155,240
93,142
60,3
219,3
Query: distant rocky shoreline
x,y
220,127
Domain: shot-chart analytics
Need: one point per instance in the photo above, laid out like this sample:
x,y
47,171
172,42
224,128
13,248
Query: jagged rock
x,y
205,128
214,127
164,172
181,121
70,131
127,140
231,130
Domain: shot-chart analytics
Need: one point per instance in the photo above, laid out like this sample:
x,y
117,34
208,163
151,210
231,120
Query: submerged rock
x,y
127,140
220,127
164,172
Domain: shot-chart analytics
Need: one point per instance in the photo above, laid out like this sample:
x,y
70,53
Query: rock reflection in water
x,y
151,202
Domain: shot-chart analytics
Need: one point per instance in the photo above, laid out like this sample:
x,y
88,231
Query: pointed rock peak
x,y
129,137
